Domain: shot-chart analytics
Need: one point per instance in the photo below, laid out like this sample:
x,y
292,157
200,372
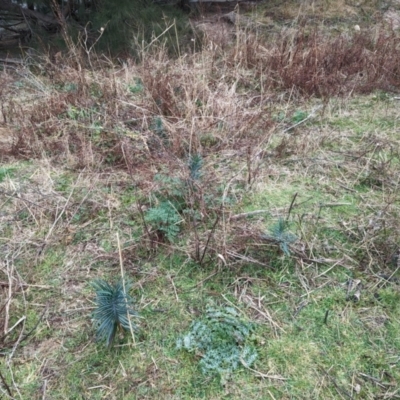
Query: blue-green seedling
x,y
280,235
221,338
114,306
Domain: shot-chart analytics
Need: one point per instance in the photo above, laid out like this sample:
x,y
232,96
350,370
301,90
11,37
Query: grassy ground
x,y
93,155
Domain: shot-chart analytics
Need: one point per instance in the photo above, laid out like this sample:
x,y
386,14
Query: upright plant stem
x,y
123,286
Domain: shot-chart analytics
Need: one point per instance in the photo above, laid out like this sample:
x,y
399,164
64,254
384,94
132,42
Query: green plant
x,y
173,190
157,126
136,87
5,172
299,116
68,87
221,339
76,114
179,191
279,234
113,309
195,165
165,219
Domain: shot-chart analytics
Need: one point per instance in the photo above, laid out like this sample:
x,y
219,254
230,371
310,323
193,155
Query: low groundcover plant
x,y
221,339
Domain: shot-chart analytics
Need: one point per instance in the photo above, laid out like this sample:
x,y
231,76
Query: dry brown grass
x,y
315,12
213,99
356,63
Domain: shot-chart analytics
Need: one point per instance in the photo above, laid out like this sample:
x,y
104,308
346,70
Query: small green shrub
x,y
179,192
157,126
136,87
299,116
113,308
165,219
221,338
171,189
280,235
195,165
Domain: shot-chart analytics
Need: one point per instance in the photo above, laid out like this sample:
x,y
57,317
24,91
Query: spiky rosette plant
x,y
279,234
113,311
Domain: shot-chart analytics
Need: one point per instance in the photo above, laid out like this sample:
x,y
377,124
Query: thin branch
x,y
6,385
291,206
262,375
123,285
208,239
339,389
30,332
312,115
248,214
62,212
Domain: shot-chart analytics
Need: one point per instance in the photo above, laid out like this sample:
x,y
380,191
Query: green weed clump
x,y
176,198
195,167
165,219
172,189
113,311
279,234
222,339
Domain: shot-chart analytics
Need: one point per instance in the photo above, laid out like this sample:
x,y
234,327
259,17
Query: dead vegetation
x,y
229,85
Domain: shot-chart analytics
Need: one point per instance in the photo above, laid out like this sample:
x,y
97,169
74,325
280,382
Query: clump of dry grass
x,y
202,102
324,66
